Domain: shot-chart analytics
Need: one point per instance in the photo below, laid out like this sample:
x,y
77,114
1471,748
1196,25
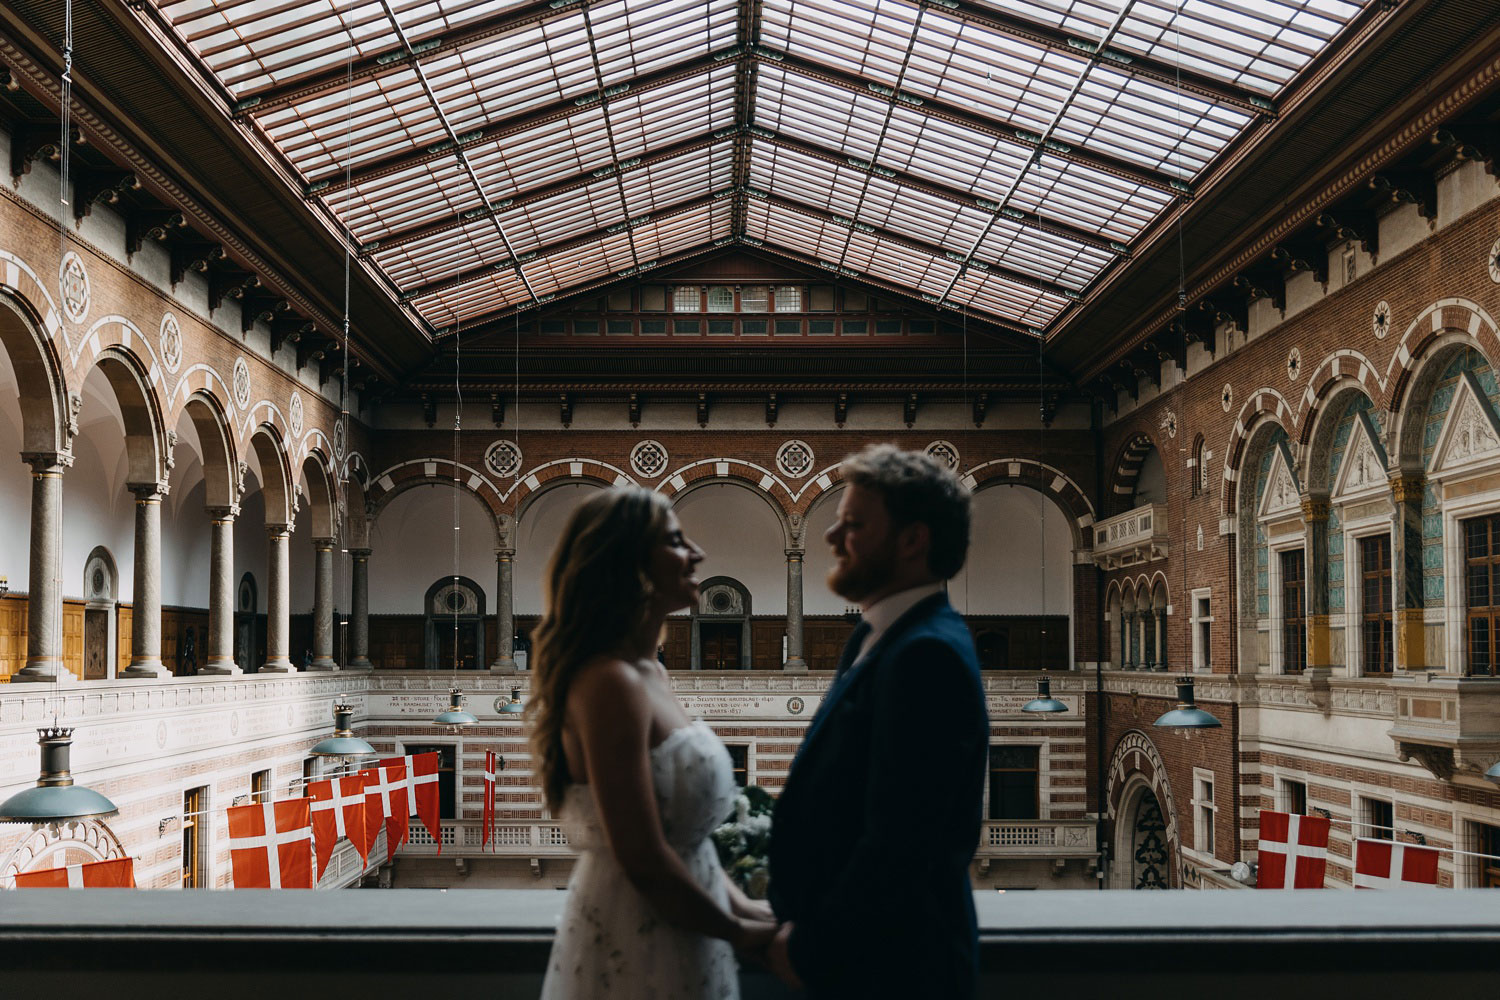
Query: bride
x,y
649,912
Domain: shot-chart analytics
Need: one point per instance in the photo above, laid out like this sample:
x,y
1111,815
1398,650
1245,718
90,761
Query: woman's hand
x,y
752,937
752,909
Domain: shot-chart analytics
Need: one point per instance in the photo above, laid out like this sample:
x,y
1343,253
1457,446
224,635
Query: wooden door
x,y
719,645
95,644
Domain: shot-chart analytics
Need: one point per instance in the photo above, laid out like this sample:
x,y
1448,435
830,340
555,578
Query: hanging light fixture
x,y
1494,772
55,797
343,742
1044,702
456,715
515,706
1187,715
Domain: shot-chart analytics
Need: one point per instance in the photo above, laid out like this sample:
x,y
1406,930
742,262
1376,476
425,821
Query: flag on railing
x,y
422,790
338,810
1380,864
270,845
387,786
489,797
116,874
1293,851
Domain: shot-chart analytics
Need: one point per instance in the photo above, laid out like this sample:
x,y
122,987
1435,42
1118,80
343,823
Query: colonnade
x,y
1143,639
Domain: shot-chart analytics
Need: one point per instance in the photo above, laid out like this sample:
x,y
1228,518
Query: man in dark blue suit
x,y
881,812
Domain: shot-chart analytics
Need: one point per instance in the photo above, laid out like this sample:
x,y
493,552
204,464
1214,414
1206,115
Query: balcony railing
x,y
1042,838
1136,536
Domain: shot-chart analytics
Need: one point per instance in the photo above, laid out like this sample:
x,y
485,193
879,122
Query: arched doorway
x,y
100,587
453,616
1143,856
246,618
721,625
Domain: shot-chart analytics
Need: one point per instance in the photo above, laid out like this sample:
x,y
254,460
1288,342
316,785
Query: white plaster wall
x,y
742,538
15,485
97,508
411,546
1003,575
250,547
186,532
817,599
537,533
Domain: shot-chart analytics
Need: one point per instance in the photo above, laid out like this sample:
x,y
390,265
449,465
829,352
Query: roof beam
x,y
395,57
497,129
959,115
956,195
536,194
747,34
1200,84
921,246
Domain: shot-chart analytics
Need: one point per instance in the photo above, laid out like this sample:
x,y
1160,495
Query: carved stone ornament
x,y
294,418
171,450
798,526
1226,397
505,524
71,842
1493,263
1294,364
1381,322
241,383
1471,434
1363,469
1281,497
1168,424
721,599
1407,487
75,408
241,470
170,339
1437,760
648,459
794,458
75,288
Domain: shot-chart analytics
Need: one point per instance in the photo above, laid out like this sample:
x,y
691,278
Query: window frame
x,y
989,771
1205,812
1202,650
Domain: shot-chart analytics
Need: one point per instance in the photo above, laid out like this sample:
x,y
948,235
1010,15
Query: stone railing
x,y
464,838
1039,838
1136,536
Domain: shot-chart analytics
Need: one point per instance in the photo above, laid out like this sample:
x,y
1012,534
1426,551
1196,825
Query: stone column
x,y
505,612
1127,640
1315,516
323,605
145,616
794,660
1406,564
44,592
1160,624
219,657
278,660
359,610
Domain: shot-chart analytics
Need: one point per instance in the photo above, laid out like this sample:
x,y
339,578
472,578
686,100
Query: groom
x,y
880,815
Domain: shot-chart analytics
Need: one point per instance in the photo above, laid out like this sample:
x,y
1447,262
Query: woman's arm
x,y
609,709
742,905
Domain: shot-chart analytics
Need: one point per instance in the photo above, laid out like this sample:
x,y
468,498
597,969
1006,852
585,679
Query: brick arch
x,y
1046,479
560,472
1136,759
200,379
1339,368
1411,396
741,472
779,500
269,447
1263,404
115,331
18,279
140,410
265,413
216,438
1126,469
1443,316
397,479
46,425
1318,427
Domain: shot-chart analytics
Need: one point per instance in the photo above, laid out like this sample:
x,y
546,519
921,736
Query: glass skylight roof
x,y
1001,156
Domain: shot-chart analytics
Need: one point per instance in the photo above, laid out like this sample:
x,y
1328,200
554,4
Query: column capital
x,y
1407,486
42,462
278,530
359,553
796,553
228,513
505,554
1314,508
325,543
147,492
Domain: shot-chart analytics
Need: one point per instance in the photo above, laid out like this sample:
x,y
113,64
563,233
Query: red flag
x,y
116,874
422,790
1295,845
270,845
338,810
387,786
489,797
1380,864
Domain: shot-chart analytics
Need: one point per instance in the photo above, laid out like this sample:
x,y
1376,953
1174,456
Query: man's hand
x,y
779,960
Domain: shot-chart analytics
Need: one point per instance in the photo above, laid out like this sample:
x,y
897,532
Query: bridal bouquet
x,y
744,841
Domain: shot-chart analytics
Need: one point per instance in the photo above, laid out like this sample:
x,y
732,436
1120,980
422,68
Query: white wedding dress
x,y
610,942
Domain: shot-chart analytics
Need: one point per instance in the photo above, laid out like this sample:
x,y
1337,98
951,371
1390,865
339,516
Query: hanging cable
x,y
64,147
343,426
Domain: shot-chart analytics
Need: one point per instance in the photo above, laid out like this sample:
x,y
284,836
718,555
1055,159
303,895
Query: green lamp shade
x,y
1494,772
1186,715
455,716
343,742
55,797
514,706
1044,702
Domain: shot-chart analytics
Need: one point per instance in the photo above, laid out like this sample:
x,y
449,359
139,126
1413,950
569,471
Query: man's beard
x,y
854,583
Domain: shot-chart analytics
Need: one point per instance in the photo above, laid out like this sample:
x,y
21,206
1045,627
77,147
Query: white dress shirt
x,y
883,613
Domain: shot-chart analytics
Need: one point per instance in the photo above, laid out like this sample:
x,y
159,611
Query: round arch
x,y
38,376
145,434
1412,397
793,533
1125,470
1135,766
1321,427
220,457
276,477
320,498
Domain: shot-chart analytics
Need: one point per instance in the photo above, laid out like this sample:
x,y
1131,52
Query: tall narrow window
x,y
1203,622
1203,812
447,787
260,786
1489,845
1293,612
1199,470
1294,797
1379,820
1014,782
1482,590
1376,641
194,807
739,761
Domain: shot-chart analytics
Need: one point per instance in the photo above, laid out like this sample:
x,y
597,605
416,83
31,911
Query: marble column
x,y
219,657
794,660
145,613
1406,564
44,592
323,605
505,610
359,610
1315,516
1132,642
1160,624
278,660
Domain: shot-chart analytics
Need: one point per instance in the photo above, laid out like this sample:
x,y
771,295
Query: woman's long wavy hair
x,y
598,595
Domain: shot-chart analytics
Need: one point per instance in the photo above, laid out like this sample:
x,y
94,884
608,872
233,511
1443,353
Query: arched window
x,y
1200,467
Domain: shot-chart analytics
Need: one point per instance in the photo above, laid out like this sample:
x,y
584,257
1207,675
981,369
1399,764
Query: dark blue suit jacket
x,y
880,816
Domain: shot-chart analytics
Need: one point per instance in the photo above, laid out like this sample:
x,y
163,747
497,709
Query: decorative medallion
x,y
503,459
795,705
75,287
241,383
295,418
1200,538
649,459
1294,364
945,454
339,443
171,343
795,459
161,735
1494,262
1169,423
234,724
1226,397
1382,322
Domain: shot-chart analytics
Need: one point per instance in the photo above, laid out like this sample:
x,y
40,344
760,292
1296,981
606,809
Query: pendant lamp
x,y
55,797
515,705
1044,702
343,742
1187,715
456,715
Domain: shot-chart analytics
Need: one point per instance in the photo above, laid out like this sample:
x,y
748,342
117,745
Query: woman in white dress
x,y
638,786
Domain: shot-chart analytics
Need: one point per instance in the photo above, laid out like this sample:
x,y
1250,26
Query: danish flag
x,y
270,845
387,787
338,810
489,796
421,790
116,874
1380,864
1293,851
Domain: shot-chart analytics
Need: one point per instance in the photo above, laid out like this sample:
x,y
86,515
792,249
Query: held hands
x,y
752,936
779,960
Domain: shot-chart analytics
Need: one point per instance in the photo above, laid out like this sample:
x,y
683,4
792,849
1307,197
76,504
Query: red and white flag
x,y
387,787
270,845
116,874
338,810
1381,864
1293,851
422,790
489,796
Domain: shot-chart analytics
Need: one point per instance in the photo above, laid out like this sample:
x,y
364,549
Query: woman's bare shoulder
x,y
610,677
